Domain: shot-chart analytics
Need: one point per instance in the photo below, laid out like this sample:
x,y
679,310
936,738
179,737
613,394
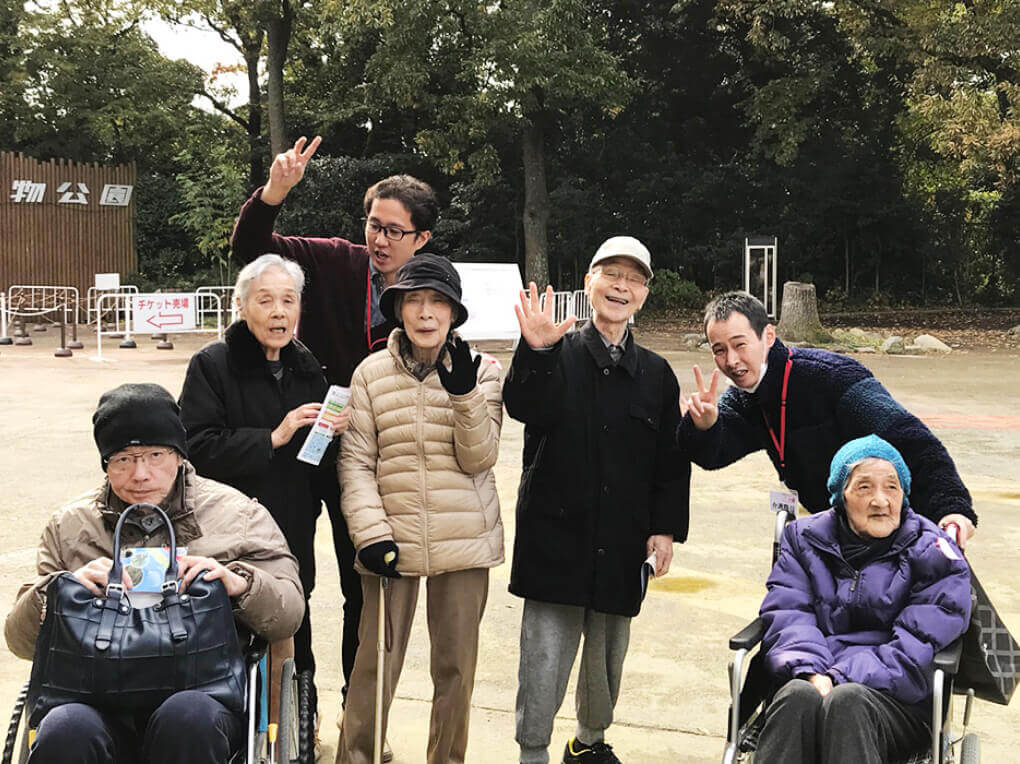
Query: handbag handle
x,y
116,572
115,589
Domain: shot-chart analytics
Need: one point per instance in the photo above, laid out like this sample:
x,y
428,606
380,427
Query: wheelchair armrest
x,y
949,659
748,636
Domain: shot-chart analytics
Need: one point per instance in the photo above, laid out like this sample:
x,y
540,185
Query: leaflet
x,y
321,434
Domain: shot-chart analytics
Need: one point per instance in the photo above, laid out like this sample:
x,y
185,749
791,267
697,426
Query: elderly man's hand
x,y
94,576
662,545
966,527
189,567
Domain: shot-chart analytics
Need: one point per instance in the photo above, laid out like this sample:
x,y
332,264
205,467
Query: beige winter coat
x,y
211,519
416,465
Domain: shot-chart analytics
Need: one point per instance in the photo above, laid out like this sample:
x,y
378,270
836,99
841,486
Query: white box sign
x,y
490,291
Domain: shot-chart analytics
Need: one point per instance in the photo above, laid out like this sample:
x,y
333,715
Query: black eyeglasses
x,y
391,232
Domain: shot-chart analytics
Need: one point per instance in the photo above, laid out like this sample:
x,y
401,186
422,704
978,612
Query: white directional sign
x,y
172,312
490,292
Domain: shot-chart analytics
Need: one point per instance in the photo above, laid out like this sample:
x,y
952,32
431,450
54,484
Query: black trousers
x,y
853,724
189,727
350,579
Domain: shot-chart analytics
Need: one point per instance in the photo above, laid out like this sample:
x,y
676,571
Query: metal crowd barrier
x,y
226,295
92,296
121,305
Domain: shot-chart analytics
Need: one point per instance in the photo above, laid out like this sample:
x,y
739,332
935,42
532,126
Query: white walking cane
x,y
380,665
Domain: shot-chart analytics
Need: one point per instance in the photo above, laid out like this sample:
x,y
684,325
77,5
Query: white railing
x,y
92,300
226,295
35,300
4,339
122,304
567,304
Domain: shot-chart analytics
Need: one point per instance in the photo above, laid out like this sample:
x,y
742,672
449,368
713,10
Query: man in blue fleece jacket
x,y
801,405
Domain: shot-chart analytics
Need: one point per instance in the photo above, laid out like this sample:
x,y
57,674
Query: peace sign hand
x,y
287,169
537,326
702,405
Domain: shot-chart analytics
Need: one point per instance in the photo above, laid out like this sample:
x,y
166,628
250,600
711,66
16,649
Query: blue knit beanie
x,y
870,446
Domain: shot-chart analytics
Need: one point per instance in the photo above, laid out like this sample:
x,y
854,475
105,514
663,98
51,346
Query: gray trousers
x,y
550,635
853,724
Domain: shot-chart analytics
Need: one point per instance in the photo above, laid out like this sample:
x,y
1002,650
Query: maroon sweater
x,y
334,306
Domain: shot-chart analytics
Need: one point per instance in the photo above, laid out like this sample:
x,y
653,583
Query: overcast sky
x,y
204,48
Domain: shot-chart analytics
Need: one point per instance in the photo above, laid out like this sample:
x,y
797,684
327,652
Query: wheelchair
x,y
284,738
747,709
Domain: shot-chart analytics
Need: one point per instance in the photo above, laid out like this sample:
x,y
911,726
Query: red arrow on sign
x,y
174,319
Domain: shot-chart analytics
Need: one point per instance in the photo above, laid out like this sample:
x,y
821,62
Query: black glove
x,y
463,374
381,558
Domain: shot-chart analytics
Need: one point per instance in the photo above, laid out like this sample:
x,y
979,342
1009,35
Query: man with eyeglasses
x,y
143,450
341,322
604,487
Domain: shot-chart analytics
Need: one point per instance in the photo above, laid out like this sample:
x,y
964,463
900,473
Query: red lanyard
x,y
368,315
780,444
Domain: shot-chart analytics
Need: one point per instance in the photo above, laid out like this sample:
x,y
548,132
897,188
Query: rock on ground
x,y
892,345
930,344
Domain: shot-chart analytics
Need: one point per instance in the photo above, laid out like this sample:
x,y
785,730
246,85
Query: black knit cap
x,y
425,271
137,414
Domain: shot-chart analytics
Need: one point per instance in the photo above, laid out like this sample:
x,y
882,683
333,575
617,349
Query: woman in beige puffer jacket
x,y
419,497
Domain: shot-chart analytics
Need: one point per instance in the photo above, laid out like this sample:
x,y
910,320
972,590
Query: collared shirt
x,y
378,285
616,351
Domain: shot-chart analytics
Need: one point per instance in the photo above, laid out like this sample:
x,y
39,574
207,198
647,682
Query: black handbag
x,y
990,662
123,659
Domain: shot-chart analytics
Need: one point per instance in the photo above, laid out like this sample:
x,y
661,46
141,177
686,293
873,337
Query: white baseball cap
x,y
624,246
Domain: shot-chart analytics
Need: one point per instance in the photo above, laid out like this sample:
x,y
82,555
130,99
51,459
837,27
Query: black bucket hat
x,y
425,271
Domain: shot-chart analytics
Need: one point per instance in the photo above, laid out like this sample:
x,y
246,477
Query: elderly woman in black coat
x,y
247,404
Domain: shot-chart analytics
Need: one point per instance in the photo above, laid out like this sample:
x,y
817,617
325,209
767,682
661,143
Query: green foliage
x,y
209,192
93,87
879,141
668,291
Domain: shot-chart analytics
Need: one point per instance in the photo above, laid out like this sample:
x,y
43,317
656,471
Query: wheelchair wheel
x,y
970,749
12,730
288,750
307,703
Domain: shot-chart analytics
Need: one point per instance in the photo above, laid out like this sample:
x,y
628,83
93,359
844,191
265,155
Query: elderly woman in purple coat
x,y
860,600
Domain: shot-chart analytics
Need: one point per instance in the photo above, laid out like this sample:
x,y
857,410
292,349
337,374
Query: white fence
x,y
567,304
4,339
120,304
226,305
35,301
92,302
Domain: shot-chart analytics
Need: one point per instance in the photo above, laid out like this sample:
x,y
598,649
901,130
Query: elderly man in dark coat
x,y
604,487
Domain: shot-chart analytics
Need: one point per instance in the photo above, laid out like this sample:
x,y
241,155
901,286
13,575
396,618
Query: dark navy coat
x,y
880,626
601,470
831,399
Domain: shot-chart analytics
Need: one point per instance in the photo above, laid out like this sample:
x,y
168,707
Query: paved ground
x,y
673,702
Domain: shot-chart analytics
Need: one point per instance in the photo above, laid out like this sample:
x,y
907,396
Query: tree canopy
x,y
877,139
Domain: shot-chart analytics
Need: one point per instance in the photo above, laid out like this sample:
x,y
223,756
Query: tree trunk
x,y
256,167
278,31
846,261
536,205
799,320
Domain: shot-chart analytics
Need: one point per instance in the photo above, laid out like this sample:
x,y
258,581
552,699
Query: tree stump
x,y
798,318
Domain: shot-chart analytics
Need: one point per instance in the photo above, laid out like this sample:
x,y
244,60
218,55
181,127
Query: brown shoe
x,y
387,752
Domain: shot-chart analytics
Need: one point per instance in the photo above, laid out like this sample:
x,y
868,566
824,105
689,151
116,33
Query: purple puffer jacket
x,y
880,626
